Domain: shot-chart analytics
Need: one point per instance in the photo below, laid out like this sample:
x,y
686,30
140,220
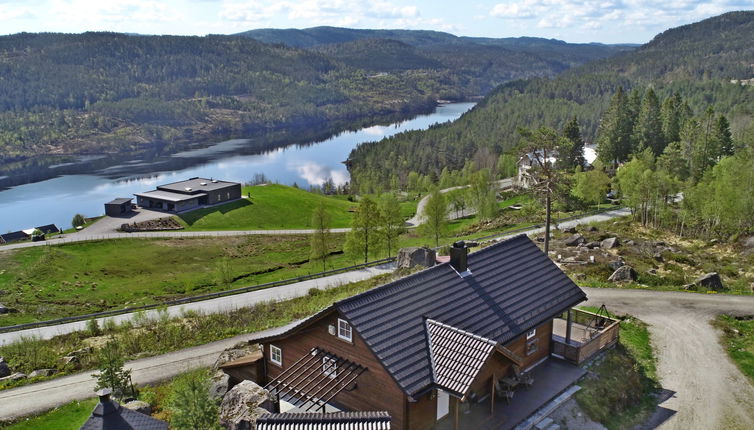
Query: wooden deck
x,y
586,338
551,377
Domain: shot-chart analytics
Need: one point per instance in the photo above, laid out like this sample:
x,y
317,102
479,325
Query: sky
x,y
606,21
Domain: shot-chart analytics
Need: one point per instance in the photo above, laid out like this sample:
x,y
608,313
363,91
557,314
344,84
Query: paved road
x,y
708,391
42,396
217,305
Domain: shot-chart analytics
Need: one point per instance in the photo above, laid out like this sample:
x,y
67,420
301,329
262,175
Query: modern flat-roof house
x,y
461,335
189,194
118,207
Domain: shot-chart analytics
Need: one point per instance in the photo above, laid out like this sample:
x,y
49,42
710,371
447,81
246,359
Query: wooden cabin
x,y
422,346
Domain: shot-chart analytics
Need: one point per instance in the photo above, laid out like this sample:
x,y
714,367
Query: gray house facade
x,y
190,194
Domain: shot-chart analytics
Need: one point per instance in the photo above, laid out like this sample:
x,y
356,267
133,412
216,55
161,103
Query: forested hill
x,y
706,63
109,92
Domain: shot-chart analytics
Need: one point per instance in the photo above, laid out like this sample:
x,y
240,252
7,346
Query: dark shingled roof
x,y
13,237
49,228
514,287
109,415
334,421
119,201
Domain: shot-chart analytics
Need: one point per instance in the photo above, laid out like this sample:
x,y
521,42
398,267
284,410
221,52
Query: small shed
x,y
118,207
49,229
109,415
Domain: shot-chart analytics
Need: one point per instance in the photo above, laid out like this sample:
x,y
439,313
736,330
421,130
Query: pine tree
x,y
364,237
191,407
112,374
722,137
319,248
671,120
648,128
575,155
614,143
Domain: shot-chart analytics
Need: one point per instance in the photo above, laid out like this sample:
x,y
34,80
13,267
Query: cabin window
x,y
531,333
531,346
329,367
276,355
344,330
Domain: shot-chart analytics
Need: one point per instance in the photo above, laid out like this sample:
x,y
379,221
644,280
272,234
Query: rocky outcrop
x,y
416,256
242,405
4,368
219,385
571,230
710,281
139,406
160,224
241,349
616,264
42,372
14,377
610,243
574,240
623,274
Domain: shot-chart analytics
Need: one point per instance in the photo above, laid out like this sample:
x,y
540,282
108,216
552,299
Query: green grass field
x,y
74,279
67,417
738,340
271,207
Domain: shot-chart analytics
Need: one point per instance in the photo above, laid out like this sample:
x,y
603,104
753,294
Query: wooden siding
x,y
544,339
375,389
422,413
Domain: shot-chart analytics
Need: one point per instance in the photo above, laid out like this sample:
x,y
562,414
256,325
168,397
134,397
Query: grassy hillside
x,y
270,207
698,61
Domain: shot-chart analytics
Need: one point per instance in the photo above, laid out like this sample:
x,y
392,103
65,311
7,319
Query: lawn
x,y
738,340
271,207
73,279
70,416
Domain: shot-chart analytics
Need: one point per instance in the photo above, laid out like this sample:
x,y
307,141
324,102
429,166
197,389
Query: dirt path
x,y
709,392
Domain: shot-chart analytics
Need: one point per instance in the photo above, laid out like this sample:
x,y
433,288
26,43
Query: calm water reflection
x,y
57,200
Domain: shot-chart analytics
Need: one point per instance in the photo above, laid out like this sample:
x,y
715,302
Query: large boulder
x,y
139,406
623,274
220,384
241,349
416,256
42,372
710,281
574,240
242,405
14,377
616,264
610,243
571,230
4,368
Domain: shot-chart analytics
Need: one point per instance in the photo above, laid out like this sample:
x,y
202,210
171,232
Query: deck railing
x,y
605,334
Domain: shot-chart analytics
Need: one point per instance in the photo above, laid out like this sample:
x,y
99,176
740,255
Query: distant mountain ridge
x,y
704,62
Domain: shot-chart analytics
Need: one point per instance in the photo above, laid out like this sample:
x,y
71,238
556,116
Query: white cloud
x,y
113,11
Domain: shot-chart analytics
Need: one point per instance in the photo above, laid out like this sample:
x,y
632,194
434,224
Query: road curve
x,y
707,391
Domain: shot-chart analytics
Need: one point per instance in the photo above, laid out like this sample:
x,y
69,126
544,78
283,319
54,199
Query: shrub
x,y
190,405
78,220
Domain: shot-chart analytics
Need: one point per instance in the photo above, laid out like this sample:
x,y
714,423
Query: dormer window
x,y
344,330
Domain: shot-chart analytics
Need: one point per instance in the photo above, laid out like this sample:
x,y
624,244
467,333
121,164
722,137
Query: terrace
x,y
589,334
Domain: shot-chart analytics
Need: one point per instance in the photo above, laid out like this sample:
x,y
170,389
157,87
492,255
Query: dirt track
x,y
707,391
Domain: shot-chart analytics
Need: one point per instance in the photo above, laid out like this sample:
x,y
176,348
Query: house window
x,y
531,346
531,333
276,355
344,330
329,367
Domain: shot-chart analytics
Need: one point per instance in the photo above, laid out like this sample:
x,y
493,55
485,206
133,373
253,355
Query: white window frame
x,y
330,367
531,333
347,331
274,350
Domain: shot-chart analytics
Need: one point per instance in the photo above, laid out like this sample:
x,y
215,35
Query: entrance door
x,y
443,404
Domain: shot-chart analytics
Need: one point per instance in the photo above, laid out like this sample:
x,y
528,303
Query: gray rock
x,y
14,377
220,384
239,350
139,406
3,309
416,256
574,240
629,242
658,257
659,243
610,243
4,368
616,264
652,271
591,228
623,274
689,287
571,230
710,281
748,242
243,404
42,372
70,359
592,245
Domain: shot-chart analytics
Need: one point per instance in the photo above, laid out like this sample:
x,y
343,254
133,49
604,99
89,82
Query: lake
x,y
86,183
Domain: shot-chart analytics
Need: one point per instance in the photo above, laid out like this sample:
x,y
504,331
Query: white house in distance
x,y
525,163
